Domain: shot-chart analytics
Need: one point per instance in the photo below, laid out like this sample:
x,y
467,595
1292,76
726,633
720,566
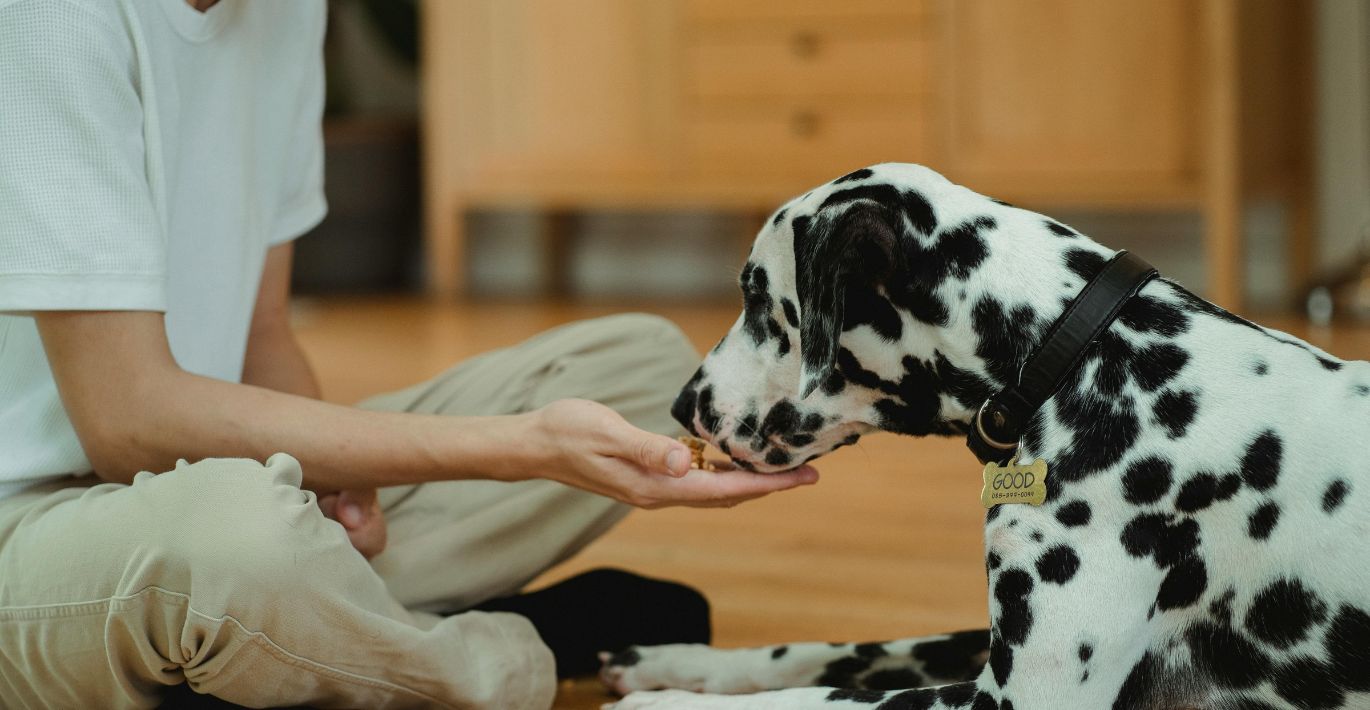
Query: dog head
x,y
868,304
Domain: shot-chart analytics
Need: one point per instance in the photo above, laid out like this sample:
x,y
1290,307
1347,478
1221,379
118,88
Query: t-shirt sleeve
x,y
302,204
78,227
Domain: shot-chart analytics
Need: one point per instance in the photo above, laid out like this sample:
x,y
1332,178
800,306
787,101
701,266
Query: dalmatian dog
x,y
1203,542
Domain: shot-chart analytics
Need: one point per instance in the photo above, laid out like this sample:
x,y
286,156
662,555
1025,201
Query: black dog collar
x,y
999,424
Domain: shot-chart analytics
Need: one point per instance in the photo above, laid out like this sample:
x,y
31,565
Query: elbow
x,y
110,451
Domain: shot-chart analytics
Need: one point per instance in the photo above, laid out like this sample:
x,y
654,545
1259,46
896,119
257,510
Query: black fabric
x,y
599,610
1005,414
608,610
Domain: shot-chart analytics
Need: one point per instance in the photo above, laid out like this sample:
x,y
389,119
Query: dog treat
x,y
697,459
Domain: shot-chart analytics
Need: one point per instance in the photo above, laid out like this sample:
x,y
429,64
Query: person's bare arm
x,y
274,359
134,409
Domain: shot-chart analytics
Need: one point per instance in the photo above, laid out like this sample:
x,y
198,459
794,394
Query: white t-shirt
x,y
150,155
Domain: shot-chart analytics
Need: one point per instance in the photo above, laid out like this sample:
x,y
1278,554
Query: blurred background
x,y
629,149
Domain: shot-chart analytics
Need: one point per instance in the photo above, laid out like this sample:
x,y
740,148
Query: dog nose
x,y
684,408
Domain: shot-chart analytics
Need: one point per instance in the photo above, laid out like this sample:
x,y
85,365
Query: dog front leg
x,y
908,663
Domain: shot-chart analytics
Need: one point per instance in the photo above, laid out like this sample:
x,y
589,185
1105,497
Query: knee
x,y
654,338
228,518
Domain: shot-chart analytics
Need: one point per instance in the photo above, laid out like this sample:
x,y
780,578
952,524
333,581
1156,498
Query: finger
x,y
356,507
717,487
369,541
329,505
653,452
738,483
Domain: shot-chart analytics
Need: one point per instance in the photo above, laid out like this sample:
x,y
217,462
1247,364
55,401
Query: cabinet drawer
x,y
726,64
732,10
802,142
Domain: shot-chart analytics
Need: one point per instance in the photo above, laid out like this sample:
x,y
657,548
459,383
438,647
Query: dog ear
x,y
836,246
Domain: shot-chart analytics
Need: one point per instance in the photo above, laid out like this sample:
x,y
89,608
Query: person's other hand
x,y
359,512
592,447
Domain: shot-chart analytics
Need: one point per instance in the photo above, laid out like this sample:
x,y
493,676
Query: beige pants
x,y
224,573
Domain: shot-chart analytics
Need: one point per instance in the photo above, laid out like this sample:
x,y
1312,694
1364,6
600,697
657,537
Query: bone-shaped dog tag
x,y
1012,483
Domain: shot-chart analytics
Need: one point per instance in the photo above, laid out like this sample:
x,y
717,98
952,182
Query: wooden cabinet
x,y
739,104
1072,93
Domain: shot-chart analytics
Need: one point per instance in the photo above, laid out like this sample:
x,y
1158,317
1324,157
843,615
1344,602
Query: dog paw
x,y
693,667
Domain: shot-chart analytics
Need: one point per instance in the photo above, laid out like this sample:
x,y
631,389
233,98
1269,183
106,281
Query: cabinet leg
x,y
445,249
558,229
1222,159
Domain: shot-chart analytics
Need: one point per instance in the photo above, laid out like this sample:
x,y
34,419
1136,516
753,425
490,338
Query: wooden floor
x,y
886,545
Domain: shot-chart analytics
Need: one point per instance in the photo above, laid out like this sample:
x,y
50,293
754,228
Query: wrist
x,y
520,447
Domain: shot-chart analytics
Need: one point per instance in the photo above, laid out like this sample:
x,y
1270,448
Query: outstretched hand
x,y
594,448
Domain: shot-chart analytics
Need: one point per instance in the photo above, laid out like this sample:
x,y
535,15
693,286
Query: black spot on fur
x,y
1155,535
1147,480
1074,514
1283,613
783,418
1334,495
1308,683
1261,464
1146,314
861,174
1059,229
1006,338
779,217
1183,584
1348,648
757,305
1015,615
892,679
956,695
1229,658
1175,411
779,652
1204,489
709,418
1109,423
864,305
870,650
1141,686
958,657
1261,368
625,658
908,700
1262,521
1155,366
842,672
791,315
1085,264
1085,653
858,695
1221,607
1058,565
913,205
1000,660
1361,390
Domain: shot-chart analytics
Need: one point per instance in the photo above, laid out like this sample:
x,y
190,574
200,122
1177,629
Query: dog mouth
x,y
779,452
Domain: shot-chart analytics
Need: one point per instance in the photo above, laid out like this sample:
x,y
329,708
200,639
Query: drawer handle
x,y
805,45
804,124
